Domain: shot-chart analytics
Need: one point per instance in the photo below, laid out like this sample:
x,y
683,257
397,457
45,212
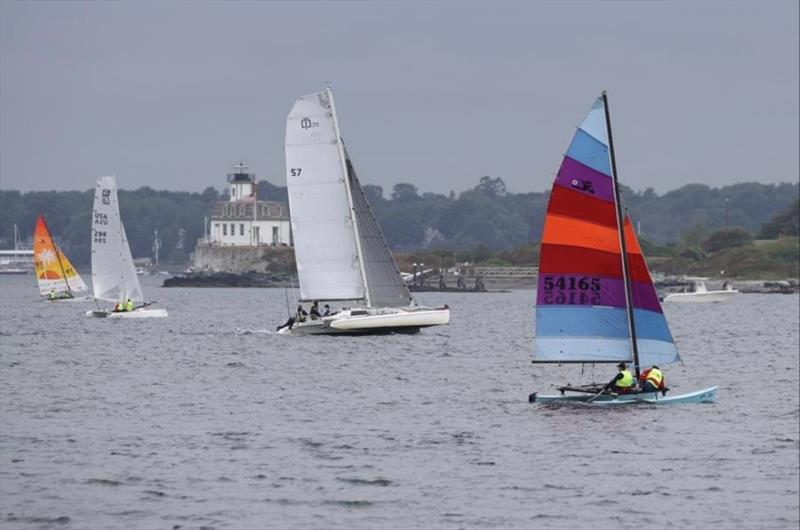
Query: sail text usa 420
x,y
113,273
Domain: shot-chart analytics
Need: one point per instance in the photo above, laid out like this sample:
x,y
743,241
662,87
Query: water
x,y
208,420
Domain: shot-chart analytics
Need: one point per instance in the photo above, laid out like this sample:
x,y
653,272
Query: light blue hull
x,y
706,395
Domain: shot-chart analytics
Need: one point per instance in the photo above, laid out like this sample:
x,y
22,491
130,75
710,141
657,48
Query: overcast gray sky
x,y
172,94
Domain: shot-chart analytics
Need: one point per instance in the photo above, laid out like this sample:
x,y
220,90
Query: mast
x,y
621,230
58,256
349,195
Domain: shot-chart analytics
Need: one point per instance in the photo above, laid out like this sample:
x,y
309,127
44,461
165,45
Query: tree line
x,y
486,218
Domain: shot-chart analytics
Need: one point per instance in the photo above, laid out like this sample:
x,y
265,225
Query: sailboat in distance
x,y
57,278
342,256
595,301
114,276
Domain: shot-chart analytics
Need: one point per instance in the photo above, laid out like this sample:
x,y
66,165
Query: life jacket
x,y
129,305
655,376
626,381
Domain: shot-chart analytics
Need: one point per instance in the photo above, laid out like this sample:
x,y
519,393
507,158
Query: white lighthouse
x,y
243,220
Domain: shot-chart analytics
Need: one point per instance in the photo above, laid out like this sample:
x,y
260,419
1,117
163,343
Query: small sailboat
x,y
596,302
57,278
699,293
342,256
113,273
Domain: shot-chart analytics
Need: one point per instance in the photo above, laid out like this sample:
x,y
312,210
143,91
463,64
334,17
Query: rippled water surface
x,y
207,419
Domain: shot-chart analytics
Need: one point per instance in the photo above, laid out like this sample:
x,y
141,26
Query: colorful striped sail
x,y
581,306
54,273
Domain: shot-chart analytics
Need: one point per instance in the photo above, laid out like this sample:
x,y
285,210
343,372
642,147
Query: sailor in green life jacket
x,y
623,382
652,380
52,294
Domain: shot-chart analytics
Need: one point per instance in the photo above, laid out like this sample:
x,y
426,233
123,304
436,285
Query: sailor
x,y
129,305
52,294
301,313
326,310
652,380
117,307
314,311
623,382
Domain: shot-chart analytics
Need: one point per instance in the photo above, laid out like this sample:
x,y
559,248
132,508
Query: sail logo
x,y
583,185
106,197
306,123
100,218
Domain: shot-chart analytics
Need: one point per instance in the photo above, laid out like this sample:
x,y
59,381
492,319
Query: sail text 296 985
x,y
113,273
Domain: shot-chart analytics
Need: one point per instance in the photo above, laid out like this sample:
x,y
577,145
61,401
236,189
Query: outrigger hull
x,y
706,395
372,322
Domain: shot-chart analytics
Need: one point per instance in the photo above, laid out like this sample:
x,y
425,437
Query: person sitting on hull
x,y
314,311
301,313
653,380
326,310
129,305
623,382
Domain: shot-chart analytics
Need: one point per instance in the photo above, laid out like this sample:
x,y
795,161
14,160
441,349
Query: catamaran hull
x,y
136,313
400,321
699,298
86,298
706,395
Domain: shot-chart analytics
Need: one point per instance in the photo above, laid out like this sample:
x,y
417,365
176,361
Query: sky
x,y
437,94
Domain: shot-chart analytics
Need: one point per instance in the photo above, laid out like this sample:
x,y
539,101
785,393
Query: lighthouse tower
x,y
242,184
243,220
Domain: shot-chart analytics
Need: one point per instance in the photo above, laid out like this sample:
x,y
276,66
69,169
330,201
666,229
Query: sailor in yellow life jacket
x,y
652,380
623,382
129,305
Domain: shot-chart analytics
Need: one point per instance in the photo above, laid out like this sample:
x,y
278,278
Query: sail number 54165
x,y
571,290
571,283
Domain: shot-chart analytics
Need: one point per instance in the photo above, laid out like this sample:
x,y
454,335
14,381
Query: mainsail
x,y
582,312
54,272
340,251
113,274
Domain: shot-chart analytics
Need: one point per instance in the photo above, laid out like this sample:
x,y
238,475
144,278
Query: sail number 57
x,y
295,171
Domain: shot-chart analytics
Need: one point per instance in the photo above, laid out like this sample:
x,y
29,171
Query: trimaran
x,y
342,256
596,302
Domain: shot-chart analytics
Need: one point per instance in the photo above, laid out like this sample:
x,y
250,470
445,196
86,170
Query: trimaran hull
x,y
373,322
706,395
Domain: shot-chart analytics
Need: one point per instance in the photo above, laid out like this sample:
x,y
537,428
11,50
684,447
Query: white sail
x,y
322,219
113,274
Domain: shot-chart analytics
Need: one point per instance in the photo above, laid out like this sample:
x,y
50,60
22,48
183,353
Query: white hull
x,y
136,313
707,395
703,297
366,321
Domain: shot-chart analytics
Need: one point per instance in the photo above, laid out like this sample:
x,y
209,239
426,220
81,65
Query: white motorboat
x,y
114,276
342,256
697,292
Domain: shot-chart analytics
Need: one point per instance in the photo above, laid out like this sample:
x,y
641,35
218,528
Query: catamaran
x,y
340,250
596,302
113,273
57,278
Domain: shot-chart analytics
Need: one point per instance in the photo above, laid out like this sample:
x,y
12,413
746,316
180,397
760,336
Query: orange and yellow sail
x,y
54,272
